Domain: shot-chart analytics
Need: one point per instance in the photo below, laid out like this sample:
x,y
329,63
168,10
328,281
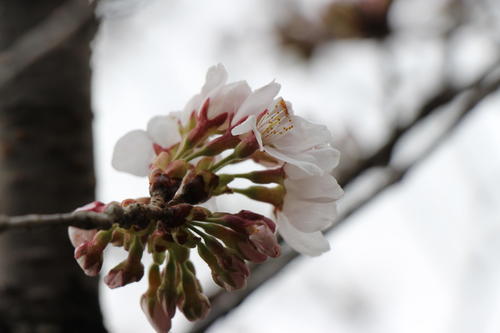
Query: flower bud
x,y
167,292
79,236
128,271
228,270
89,254
192,303
151,305
259,229
236,241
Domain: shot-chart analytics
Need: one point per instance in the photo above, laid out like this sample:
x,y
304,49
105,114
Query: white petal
x,y
309,217
164,130
133,153
304,135
228,98
216,77
295,159
258,101
246,126
192,105
326,159
311,244
319,189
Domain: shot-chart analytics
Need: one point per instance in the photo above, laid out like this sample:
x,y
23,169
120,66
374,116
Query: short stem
x,y
222,163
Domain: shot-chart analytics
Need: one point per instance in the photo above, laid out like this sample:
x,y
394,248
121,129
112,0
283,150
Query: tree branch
x,y
45,37
223,303
82,220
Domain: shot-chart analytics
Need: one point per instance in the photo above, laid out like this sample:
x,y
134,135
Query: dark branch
x,y
82,220
45,37
223,303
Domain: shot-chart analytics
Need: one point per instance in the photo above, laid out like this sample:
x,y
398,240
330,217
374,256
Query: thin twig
x,y
43,38
223,303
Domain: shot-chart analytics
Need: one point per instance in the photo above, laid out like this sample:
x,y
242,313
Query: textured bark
x,y
46,166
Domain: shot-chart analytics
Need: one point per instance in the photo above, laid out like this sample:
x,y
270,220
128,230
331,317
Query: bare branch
x,y
82,220
43,38
223,303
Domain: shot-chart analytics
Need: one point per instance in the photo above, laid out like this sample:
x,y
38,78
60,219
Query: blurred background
x,y
421,256
409,89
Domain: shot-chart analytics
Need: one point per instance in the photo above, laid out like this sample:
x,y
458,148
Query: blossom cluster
x,y
184,155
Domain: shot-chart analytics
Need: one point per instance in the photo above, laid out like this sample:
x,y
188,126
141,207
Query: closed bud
x,y
167,292
151,305
79,236
157,317
193,303
128,271
228,270
89,254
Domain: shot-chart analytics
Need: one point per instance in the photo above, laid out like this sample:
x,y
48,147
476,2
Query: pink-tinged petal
x,y
298,160
311,244
318,189
309,217
164,130
258,101
133,153
228,98
216,77
79,236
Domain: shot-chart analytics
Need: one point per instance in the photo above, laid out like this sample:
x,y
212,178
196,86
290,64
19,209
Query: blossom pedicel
x,y
180,154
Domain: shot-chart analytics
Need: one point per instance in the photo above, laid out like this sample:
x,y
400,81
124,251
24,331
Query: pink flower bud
x,y
89,254
124,273
157,317
79,236
265,241
128,271
192,302
228,270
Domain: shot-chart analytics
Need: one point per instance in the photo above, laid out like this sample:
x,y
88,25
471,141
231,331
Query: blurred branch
x,y
223,303
43,38
82,220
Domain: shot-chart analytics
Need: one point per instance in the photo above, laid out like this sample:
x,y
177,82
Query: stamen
x,y
276,122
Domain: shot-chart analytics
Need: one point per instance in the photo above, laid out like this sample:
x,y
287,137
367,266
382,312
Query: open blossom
x,y
135,151
309,203
291,139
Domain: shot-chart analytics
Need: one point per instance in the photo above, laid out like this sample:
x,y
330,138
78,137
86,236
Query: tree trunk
x,y
46,166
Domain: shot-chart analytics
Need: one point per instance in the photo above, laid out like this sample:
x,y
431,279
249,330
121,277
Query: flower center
x,y
275,123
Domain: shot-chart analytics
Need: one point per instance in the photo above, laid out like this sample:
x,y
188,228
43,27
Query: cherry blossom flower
x,y
291,139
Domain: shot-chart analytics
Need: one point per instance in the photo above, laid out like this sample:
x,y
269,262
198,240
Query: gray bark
x,y
46,166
